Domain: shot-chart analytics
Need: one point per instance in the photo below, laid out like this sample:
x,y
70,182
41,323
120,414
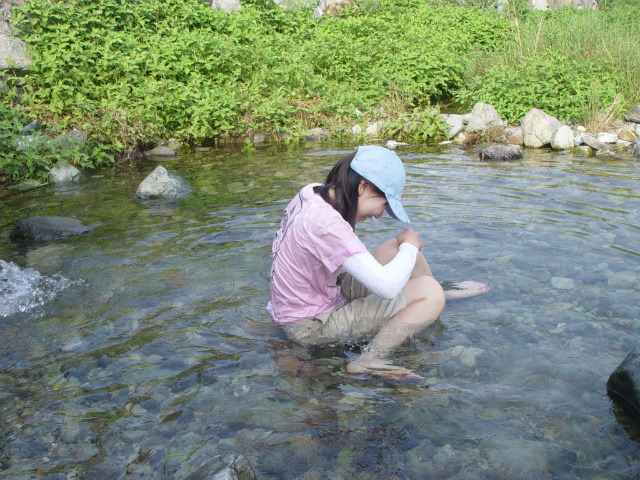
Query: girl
x,y
327,289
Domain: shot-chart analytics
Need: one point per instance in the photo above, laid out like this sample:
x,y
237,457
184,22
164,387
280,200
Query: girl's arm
x,y
385,281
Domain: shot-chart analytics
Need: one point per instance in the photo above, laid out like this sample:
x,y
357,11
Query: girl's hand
x,y
410,236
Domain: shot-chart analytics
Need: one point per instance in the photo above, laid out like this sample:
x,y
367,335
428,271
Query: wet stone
x,y
562,283
45,229
623,280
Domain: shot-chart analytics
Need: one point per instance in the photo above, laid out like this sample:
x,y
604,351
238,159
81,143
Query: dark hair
x,y
344,182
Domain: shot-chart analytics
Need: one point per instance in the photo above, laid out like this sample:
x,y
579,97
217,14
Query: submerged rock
x,y
45,229
501,152
160,184
229,467
623,385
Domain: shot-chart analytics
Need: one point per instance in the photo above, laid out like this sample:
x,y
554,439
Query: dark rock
x,y
30,128
74,137
636,148
316,134
623,385
46,229
229,467
501,152
633,115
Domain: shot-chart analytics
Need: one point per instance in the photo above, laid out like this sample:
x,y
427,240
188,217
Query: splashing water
x,y
21,290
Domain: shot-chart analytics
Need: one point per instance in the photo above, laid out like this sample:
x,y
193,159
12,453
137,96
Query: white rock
x,y
371,129
226,5
638,129
483,117
562,138
623,143
538,128
577,139
456,124
581,129
605,137
356,130
394,144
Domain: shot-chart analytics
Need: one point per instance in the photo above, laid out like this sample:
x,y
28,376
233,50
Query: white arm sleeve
x,y
385,281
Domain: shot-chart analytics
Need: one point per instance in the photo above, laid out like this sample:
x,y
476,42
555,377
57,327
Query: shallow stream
x,y
143,348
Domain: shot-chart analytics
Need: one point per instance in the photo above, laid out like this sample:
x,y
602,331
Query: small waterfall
x,y
23,289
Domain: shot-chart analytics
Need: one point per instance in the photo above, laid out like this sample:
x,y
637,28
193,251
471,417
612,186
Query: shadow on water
x,y
159,353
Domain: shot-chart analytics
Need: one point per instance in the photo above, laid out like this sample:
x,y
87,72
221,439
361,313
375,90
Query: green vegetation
x,y
128,72
574,64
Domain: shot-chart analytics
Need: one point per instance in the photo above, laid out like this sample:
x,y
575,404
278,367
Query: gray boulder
x,y
483,117
456,125
562,138
636,148
592,141
316,134
46,229
633,115
63,173
74,137
538,128
161,184
31,128
623,385
229,467
161,152
501,152
13,51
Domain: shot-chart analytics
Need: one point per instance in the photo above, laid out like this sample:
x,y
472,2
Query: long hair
x,y
343,181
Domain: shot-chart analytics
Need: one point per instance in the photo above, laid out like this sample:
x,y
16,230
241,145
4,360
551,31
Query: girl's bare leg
x,y
425,301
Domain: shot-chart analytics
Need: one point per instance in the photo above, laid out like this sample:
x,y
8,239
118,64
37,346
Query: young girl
x,y
327,289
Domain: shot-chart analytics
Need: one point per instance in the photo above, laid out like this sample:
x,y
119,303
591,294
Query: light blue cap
x,y
384,169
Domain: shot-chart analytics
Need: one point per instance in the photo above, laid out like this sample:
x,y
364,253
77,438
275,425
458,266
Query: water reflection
x,y
163,355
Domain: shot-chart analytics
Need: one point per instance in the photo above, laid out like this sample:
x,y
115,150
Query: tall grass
x,y
602,47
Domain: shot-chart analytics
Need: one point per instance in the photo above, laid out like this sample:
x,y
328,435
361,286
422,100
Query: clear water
x,y
158,353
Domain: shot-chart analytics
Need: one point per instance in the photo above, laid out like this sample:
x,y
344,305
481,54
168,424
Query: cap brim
x,y
396,210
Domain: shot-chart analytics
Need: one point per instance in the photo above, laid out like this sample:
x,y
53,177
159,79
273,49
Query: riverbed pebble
x,y
562,283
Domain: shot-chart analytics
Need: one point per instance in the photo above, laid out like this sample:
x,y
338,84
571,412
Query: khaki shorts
x,y
359,319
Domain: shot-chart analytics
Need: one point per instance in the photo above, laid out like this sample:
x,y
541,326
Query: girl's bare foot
x,y
465,289
381,368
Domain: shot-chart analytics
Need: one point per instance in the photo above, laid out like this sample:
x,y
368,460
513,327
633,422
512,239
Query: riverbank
x,y
161,70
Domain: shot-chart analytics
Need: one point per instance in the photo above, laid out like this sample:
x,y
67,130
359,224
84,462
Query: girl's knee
x,y
425,288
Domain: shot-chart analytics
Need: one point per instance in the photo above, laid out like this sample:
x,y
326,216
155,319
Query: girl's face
x,y
370,202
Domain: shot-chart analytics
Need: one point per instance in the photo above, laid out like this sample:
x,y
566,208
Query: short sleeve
x,y
332,240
